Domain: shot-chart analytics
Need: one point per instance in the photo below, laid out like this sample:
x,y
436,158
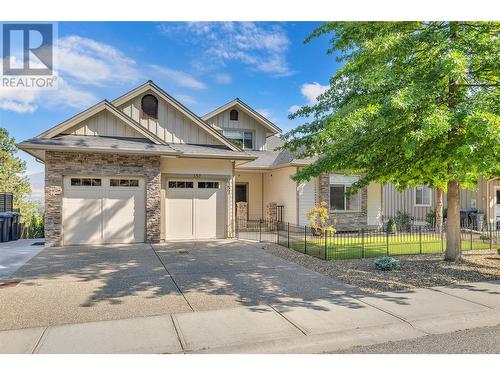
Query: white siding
x,y
307,193
104,124
280,188
374,204
172,126
245,122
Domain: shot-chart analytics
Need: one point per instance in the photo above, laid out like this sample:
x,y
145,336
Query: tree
x,y
414,103
12,174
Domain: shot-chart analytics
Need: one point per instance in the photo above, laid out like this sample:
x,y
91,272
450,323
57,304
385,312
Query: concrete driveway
x,y
85,283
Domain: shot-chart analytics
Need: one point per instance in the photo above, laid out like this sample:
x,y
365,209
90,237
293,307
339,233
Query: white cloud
x,y
259,45
310,92
223,78
185,99
181,78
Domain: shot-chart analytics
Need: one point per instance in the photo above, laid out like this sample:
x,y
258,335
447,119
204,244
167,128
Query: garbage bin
x,y
6,226
13,236
466,217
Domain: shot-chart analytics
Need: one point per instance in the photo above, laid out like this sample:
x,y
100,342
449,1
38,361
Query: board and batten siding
x,y
307,196
104,124
172,126
244,122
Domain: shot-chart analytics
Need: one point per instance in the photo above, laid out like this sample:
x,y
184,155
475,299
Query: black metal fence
x,y
364,243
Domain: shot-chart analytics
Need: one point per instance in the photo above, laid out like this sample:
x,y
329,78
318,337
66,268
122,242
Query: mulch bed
x,y
416,271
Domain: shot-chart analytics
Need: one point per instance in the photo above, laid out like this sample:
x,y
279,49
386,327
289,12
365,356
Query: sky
x,y
201,64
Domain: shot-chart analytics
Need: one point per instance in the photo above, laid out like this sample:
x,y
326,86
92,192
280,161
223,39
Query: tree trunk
x,y
439,210
453,222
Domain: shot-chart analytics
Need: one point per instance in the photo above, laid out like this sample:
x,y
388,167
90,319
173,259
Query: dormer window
x,y
149,107
233,115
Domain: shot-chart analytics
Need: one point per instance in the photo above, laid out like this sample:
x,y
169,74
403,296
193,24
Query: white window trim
x,y
346,185
415,196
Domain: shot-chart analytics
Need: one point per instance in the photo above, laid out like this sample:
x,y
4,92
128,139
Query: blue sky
x,y
203,65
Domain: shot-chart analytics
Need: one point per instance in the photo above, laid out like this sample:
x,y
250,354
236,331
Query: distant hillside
x,y
37,182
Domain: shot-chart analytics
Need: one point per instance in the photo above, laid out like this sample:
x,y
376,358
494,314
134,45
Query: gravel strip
x,y
416,271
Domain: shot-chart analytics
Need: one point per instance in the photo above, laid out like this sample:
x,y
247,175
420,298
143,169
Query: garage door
x,y
100,210
194,209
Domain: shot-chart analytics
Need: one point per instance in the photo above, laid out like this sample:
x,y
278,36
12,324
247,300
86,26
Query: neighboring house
x,y
144,168
421,200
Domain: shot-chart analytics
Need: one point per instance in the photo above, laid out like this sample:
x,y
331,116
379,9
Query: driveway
x,y
14,254
85,283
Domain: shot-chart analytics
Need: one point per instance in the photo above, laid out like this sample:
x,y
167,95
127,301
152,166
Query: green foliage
x,y
319,218
430,217
12,174
484,237
424,93
402,220
498,251
387,263
35,226
391,227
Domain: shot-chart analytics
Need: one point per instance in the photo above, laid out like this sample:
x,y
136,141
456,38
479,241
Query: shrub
x,y
498,251
402,220
387,263
431,216
484,237
391,226
319,218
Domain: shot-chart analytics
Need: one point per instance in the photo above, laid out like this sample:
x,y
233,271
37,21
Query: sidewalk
x,y
332,324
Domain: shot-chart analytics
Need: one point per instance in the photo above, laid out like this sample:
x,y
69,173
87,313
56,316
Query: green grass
x,y
355,247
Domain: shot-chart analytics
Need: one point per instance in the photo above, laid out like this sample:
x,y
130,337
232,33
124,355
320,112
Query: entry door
x,y
194,209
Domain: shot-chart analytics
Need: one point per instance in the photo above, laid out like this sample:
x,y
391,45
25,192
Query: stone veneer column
x,y
60,164
271,212
241,215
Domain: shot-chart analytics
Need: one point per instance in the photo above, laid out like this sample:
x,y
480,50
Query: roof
x,y
239,103
274,158
77,143
150,85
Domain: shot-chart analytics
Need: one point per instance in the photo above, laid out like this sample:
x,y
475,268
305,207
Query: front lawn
x,y
352,247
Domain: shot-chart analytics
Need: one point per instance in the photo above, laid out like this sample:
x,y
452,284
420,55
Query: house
x,y
144,168
418,202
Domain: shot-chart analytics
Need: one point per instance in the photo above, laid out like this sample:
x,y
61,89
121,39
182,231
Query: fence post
x,y
491,236
288,235
442,241
420,238
470,238
387,241
260,230
362,243
305,239
277,233
326,238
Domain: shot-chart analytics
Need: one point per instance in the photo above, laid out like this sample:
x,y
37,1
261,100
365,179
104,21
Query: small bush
x,y
391,226
402,220
498,251
484,237
387,263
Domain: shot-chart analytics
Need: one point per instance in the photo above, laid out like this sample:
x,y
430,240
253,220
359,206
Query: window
x,y
85,182
422,196
340,199
233,115
149,106
243,139
180,184
208,185
124,182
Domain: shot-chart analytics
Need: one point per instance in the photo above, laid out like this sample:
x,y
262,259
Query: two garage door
x,y
194,209
100,210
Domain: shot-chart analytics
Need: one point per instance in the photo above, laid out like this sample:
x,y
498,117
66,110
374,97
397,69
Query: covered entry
x,y
194,209
99,210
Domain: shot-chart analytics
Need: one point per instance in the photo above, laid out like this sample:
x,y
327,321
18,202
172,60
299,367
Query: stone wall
x,y
343,220
60,164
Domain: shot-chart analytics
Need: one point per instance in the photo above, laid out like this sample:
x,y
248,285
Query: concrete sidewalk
x,y
331,324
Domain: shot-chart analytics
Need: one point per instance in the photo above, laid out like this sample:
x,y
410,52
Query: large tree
x,y
12,174
414,103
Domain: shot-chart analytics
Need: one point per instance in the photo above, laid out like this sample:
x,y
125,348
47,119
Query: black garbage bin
x,y
467,216
13,236
6,226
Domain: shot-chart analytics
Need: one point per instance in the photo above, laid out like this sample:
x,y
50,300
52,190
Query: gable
x,y
104,124
244,122
172,126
